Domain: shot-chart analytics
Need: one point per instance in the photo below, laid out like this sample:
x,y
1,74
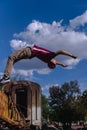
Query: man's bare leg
x,y
63,52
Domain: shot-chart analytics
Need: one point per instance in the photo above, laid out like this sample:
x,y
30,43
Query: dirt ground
x,y
79,127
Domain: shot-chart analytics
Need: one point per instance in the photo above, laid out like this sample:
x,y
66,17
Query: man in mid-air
x,y
30,52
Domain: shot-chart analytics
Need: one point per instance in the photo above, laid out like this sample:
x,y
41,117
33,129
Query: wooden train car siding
x,y
27,97
9,113
3,105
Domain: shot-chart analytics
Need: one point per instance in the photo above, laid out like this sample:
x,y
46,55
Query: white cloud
x,y
71,63
79,20
17,44
48,86
44,71
53,36
45,89
22,74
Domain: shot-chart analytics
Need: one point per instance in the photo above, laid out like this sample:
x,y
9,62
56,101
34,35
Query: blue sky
x,y
61,24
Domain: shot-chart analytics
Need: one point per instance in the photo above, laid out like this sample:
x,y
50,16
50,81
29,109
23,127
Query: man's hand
x,y
64,65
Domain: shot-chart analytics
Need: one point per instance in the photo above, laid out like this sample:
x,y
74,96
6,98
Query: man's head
x,y
51,65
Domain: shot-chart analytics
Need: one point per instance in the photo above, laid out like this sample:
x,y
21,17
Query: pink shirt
x,y
44,55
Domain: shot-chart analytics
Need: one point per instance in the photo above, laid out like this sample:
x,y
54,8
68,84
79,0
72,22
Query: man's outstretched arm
x,y
58,63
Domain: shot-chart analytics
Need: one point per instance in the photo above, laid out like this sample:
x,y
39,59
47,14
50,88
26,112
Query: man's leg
x,y
15,57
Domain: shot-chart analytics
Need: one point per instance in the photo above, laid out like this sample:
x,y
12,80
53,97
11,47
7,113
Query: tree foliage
x,y
65,95
81,105
45,107
66,103
62,100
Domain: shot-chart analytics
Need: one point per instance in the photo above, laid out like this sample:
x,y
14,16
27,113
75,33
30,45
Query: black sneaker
x,y
4,79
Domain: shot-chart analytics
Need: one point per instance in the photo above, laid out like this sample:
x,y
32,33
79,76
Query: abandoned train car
x,y
26,96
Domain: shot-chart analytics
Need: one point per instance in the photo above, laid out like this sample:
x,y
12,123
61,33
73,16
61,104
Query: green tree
x,y
81,105
62,101
46,109
71,92
84,101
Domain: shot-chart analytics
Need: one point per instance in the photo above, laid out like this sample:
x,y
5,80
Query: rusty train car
x,y
20,105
